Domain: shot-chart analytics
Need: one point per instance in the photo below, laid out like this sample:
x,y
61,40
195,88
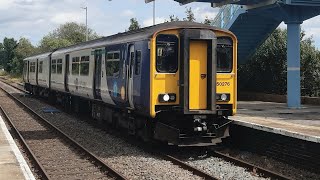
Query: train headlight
x,y
224,97
166,97
170,97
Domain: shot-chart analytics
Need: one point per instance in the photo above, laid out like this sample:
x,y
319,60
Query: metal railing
x,y
225,14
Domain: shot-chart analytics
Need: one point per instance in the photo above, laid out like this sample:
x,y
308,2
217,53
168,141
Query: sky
x,y
33,19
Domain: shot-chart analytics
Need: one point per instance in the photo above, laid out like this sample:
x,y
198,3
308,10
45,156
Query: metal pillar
x,y
293,65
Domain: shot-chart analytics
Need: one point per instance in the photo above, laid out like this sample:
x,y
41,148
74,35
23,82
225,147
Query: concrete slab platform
x,y
276,118
12,164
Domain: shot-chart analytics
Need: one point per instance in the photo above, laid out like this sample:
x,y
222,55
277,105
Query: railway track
x,y
167,157
255,169
54,154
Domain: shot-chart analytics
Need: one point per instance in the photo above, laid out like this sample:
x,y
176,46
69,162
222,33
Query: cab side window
x,y
137,62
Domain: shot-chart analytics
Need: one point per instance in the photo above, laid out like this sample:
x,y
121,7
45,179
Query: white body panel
x,y
81,85
43,78
57,80
32,75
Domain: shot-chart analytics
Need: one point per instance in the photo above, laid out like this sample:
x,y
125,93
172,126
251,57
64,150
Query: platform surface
x,y
12,164
276,118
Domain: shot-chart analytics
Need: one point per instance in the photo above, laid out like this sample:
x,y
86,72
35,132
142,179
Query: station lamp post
x,y
154,9
87,36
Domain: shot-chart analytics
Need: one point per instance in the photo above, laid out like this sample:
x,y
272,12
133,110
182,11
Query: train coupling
x,y
199,124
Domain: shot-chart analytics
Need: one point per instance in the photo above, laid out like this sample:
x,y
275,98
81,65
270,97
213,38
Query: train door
x,y
198,72
198,75
97,74
26,71
66,73
131,57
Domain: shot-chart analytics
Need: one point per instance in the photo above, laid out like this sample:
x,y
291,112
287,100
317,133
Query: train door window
x,y
53,66
167,53
137,63
75,66
59,66
40,66
224,55
113,64
25,67
32,67
84,65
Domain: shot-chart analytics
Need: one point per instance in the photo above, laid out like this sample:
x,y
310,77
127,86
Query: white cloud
x,y
149,21
67,17
202,12
127,13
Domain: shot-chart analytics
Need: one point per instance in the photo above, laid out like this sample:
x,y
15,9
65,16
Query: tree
x,y
48,43
190,15
134,24
9,44
172,18
2,54
207,21
23,50
266,70
67,34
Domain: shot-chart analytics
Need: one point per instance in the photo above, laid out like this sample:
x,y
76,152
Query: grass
x,y
17,78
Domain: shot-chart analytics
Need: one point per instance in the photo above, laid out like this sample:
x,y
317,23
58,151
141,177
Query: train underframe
x,y
170,126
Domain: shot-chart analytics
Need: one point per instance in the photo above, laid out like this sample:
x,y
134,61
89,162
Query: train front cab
x,y
188,106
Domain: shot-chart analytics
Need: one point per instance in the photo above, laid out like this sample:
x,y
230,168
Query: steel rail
x,y
186,166
35,162
102,165
255,169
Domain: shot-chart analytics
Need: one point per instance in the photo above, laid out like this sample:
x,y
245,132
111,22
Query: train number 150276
x,y
223,83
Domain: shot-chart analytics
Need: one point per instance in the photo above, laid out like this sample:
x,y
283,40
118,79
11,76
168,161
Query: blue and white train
x,y
174,82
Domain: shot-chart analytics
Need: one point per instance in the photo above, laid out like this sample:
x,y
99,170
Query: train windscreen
x,y
167,53
224,55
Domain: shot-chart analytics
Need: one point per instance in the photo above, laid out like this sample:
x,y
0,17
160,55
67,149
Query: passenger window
x,y
59,66
53,66
40,66
75,66
84,65
224,55
167,53
113,64
137,63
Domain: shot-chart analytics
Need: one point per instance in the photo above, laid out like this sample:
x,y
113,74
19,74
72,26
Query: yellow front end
x,y
165,83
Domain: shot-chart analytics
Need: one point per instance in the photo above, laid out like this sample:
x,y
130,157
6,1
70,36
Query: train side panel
x,y
80,76
57,73
43,72
33,72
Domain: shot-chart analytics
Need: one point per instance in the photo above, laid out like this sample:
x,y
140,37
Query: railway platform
x,y
12,164
277,118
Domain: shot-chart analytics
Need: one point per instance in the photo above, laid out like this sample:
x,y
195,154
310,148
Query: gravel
x,y
127,159
134,163
273,165
49,149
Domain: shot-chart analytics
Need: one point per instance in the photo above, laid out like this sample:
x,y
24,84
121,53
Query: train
x,y
174,82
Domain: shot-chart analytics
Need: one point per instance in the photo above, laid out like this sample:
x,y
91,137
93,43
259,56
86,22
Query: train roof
x,y
129,36
38,56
